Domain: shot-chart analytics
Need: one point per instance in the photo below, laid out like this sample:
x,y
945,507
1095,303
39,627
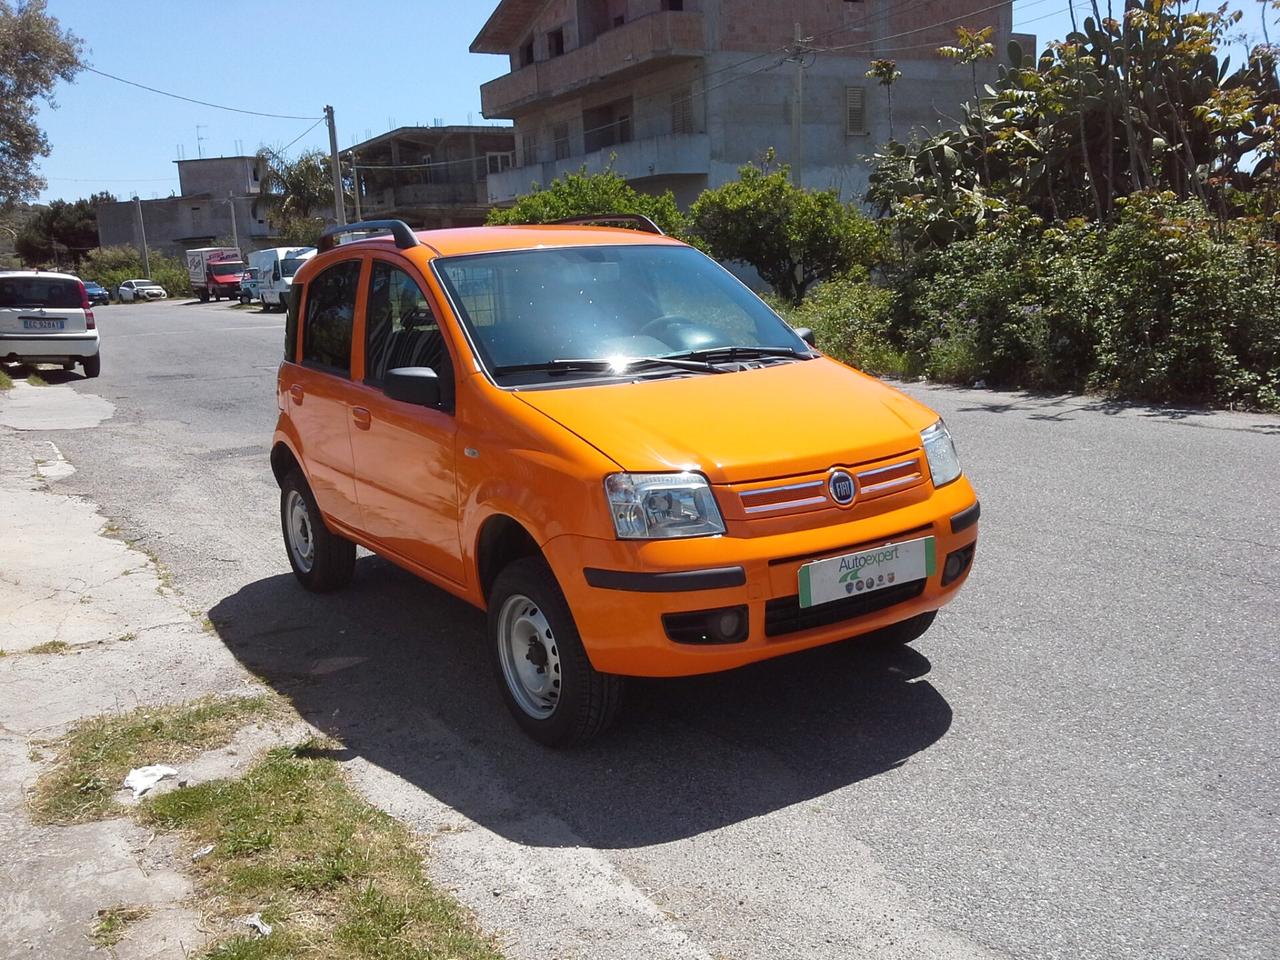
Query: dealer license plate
x,y
41,324
866,571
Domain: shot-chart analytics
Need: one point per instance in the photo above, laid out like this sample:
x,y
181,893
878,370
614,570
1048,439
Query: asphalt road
x,y
1080,760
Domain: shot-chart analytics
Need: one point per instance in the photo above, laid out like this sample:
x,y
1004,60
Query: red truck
x,y
216,272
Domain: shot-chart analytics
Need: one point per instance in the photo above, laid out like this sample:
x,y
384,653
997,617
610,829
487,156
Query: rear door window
x,y
330,314
401,329
50,293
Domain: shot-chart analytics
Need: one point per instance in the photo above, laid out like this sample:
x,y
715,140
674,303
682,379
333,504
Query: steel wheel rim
x,y
530,656
302,544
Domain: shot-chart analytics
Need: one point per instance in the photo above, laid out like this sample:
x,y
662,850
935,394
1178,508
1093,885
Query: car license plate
x,y
41,324
866,571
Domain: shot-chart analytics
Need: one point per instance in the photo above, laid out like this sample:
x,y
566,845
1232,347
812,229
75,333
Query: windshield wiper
x,y
620,367
721,354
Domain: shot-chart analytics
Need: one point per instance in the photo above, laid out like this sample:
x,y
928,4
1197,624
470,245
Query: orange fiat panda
x,y
601,437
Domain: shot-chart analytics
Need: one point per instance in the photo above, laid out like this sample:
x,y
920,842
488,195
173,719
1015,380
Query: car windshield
x,y
223,267
531,312
291,265
38,292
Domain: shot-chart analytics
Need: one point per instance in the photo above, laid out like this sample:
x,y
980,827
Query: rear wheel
x,y
204,296
92,365
554,693
321,560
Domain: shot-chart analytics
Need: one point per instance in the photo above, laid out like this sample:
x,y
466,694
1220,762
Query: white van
x,y
276,267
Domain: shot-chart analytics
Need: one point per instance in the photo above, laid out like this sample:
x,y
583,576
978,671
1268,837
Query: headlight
x,y
944,465
655,506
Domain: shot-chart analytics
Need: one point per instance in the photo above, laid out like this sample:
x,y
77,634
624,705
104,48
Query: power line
x,y
203,103
299,137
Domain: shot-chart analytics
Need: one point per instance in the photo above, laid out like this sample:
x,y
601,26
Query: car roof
x,y
457,241
49,274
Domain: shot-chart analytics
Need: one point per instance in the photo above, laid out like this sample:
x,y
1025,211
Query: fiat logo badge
x,y
842,487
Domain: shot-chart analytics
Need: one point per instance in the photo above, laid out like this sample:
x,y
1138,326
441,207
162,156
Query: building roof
x,y
249,157
436,132
506,26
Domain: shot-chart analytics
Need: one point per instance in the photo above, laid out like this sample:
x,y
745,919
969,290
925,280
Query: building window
x,y
560,134
195,218
619,20
497,162
682,111
529,149
555,43
672,4
606,125
855,114
526,53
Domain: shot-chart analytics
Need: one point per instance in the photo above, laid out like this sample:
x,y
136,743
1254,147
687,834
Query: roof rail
x,y
639,220
403,233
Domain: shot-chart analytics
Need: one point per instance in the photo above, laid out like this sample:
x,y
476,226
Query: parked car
x,y
47,318
99,295
276,267
605,440
249,286
132,290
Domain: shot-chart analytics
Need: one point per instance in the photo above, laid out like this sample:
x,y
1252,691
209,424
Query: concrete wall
x,y
176,224
219,176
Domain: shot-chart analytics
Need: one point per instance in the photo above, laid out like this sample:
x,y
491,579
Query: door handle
x,y
362,418
296,393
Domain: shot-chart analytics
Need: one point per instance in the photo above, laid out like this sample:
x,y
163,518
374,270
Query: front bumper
x,y
47,348
619,591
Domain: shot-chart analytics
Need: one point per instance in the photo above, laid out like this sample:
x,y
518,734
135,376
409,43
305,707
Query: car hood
x,y
775,421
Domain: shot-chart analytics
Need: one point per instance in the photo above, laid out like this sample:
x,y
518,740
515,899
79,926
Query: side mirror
x,y
805,334
417,385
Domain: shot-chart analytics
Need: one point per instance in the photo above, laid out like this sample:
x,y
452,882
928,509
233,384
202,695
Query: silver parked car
x,y
132,290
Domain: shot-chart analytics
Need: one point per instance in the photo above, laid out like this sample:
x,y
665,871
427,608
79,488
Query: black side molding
x,y
682,581
966,518
401,231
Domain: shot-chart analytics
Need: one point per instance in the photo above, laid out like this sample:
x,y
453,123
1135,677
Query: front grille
x,y
764,500
784,615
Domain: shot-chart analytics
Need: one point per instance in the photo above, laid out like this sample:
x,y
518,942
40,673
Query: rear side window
x,y
291,323
401,329
330,312
37,292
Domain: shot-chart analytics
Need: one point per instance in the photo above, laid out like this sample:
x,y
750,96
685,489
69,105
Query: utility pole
x,y
142,231
797,111
235,233
339,208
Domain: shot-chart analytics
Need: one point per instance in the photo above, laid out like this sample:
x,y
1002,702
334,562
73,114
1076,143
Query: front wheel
x,y
554,693
321,560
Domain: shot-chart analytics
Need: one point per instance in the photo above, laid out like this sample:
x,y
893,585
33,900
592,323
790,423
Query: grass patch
x,y
36,380
108,929
50,646
6,381
335,877
93,758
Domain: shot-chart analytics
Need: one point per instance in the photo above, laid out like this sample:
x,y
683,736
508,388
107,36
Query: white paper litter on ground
x,y
142,779
255,920
202,852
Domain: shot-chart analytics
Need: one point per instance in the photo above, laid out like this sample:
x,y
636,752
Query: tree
x,y
35,53
792,236
62,230
582,193
887,73
296,189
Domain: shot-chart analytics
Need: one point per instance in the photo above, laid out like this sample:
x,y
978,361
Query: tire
x,y
204,296
908,631
554,693
92,365
322,560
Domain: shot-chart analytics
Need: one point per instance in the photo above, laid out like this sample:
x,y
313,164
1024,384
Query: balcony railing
x,y
668,155
657,36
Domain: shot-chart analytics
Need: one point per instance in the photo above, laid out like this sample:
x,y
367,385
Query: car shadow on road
x,y
399,673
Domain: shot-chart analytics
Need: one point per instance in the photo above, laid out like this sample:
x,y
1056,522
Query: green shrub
x,y
850,319
112,266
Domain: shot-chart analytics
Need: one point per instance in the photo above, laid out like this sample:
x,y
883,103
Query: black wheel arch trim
x,y
679,581
966,518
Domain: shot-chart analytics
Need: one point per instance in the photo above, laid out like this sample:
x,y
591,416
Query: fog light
x,y
723,625
957,563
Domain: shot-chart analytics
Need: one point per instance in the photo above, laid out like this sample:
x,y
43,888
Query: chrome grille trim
x,y
868,487
785,505
750,495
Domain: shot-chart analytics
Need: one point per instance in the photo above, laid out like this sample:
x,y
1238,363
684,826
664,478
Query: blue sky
x,y
381,64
